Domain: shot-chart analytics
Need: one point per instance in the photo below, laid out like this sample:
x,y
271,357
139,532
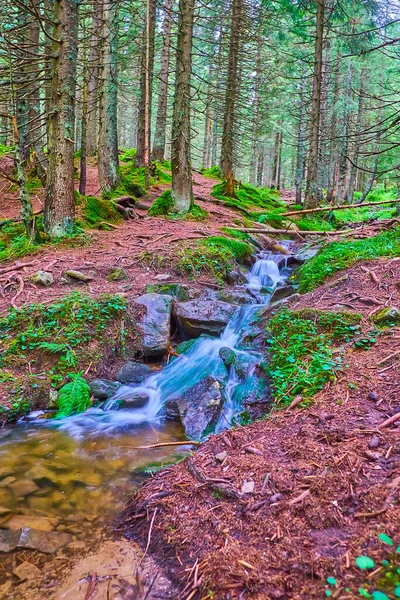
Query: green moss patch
x,y
42,345
162,205
249,197
212,173
303,350
336,256
98,210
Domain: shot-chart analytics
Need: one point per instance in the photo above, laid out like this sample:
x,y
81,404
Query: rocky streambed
x,y
61,480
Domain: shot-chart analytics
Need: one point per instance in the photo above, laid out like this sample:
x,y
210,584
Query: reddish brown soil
x,y
118,248
321,495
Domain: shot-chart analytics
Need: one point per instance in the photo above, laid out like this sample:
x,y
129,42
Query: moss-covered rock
x,y
117,274
387,316
179,291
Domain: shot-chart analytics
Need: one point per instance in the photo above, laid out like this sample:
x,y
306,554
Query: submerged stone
x,y
198,408
8,540
253,390
155,323
103,388
134,400
43,541
203,316
41,523
133,372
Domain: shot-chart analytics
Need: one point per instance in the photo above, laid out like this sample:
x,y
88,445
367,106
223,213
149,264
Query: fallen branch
x,y
388,358
390,421
220,488
16,267
299,498
329,208
161,444
109,225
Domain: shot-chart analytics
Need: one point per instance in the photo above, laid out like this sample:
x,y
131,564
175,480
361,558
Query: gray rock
x,y
103,388
8,540
53,398
374,442
43,541
248,487
282,292
78,275
203,316
198,408
43,278
238,362
180,291
155,323
387,316
117,274
134,400
235,296
162,277
133,372
221,456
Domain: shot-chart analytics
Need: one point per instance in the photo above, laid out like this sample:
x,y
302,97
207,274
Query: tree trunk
x,y
93,80
231,90
344,140
59,207
82,169
301,139
108,132
256,116
182,192
160,133
355,144
311,195
208,125
216,102
146,81
331,162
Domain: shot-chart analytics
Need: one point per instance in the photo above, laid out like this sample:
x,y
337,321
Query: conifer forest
x,y
199,299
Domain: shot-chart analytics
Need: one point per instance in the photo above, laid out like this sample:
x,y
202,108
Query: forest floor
x,y
325,476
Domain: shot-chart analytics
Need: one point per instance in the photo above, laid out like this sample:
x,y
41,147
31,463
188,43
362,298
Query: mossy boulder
x,y
387,316
133,372
117,274
203,316
155,323
235,296
177,290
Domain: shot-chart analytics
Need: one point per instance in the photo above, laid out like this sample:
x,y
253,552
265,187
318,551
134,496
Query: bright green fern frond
x,y
73,397
53,348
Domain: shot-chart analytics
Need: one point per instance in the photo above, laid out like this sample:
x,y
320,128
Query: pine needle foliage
x,y
73,397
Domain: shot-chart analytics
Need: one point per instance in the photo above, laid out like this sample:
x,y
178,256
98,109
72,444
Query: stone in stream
x,y
43,541
203,316
8,540
133,372
23,488
253,390
27,570
155,323
230,358
103,388
43,278
40,523
300,258
198,408
180,291
235,277
134,400
238,296
282,292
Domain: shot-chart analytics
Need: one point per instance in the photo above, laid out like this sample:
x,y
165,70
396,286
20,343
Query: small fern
x,y
53,348
73,397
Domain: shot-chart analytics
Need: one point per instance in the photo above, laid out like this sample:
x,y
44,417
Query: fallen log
x,y
328,208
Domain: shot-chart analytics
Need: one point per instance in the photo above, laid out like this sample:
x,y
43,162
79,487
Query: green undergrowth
x,y
215,256
73,397
249,197
5,149
98,210
336,256
14,243
212,173
162,206
133,179
303,349
44,345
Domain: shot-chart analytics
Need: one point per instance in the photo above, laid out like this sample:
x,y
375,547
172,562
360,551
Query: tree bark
x,y
160,133
311,195
355,143
344,140
108,132
146,86
93,80
182,191
301,138
231,90
256,116
59,207
331,162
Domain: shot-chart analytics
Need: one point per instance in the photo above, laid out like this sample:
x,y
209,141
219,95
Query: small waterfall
x,y
187,370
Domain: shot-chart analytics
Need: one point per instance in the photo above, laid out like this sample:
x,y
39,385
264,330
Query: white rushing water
x,y
183,372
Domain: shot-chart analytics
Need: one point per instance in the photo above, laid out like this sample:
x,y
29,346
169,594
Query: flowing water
x,y
81,469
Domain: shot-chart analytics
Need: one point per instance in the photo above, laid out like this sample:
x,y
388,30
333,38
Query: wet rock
x,y
40,523
235,277
53,399
4,511
155,323
253,390
23,488
235,297
300,258
103,388
43,278
228,356
374,442
133,372
238,362
8,540
135,400
282,292
7,480
203,316
79,276
387,316
43,541
198,408
162,277
179,291
27,570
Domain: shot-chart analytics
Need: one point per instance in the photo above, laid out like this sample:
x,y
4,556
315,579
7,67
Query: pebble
x,y
373,396
248,487
221,456
275,498
374,442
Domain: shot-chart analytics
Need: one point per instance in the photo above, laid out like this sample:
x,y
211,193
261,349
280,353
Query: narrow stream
x,y
81,469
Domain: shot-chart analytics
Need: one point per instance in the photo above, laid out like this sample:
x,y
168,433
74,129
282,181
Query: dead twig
x,y
159,445
390,421
19,292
